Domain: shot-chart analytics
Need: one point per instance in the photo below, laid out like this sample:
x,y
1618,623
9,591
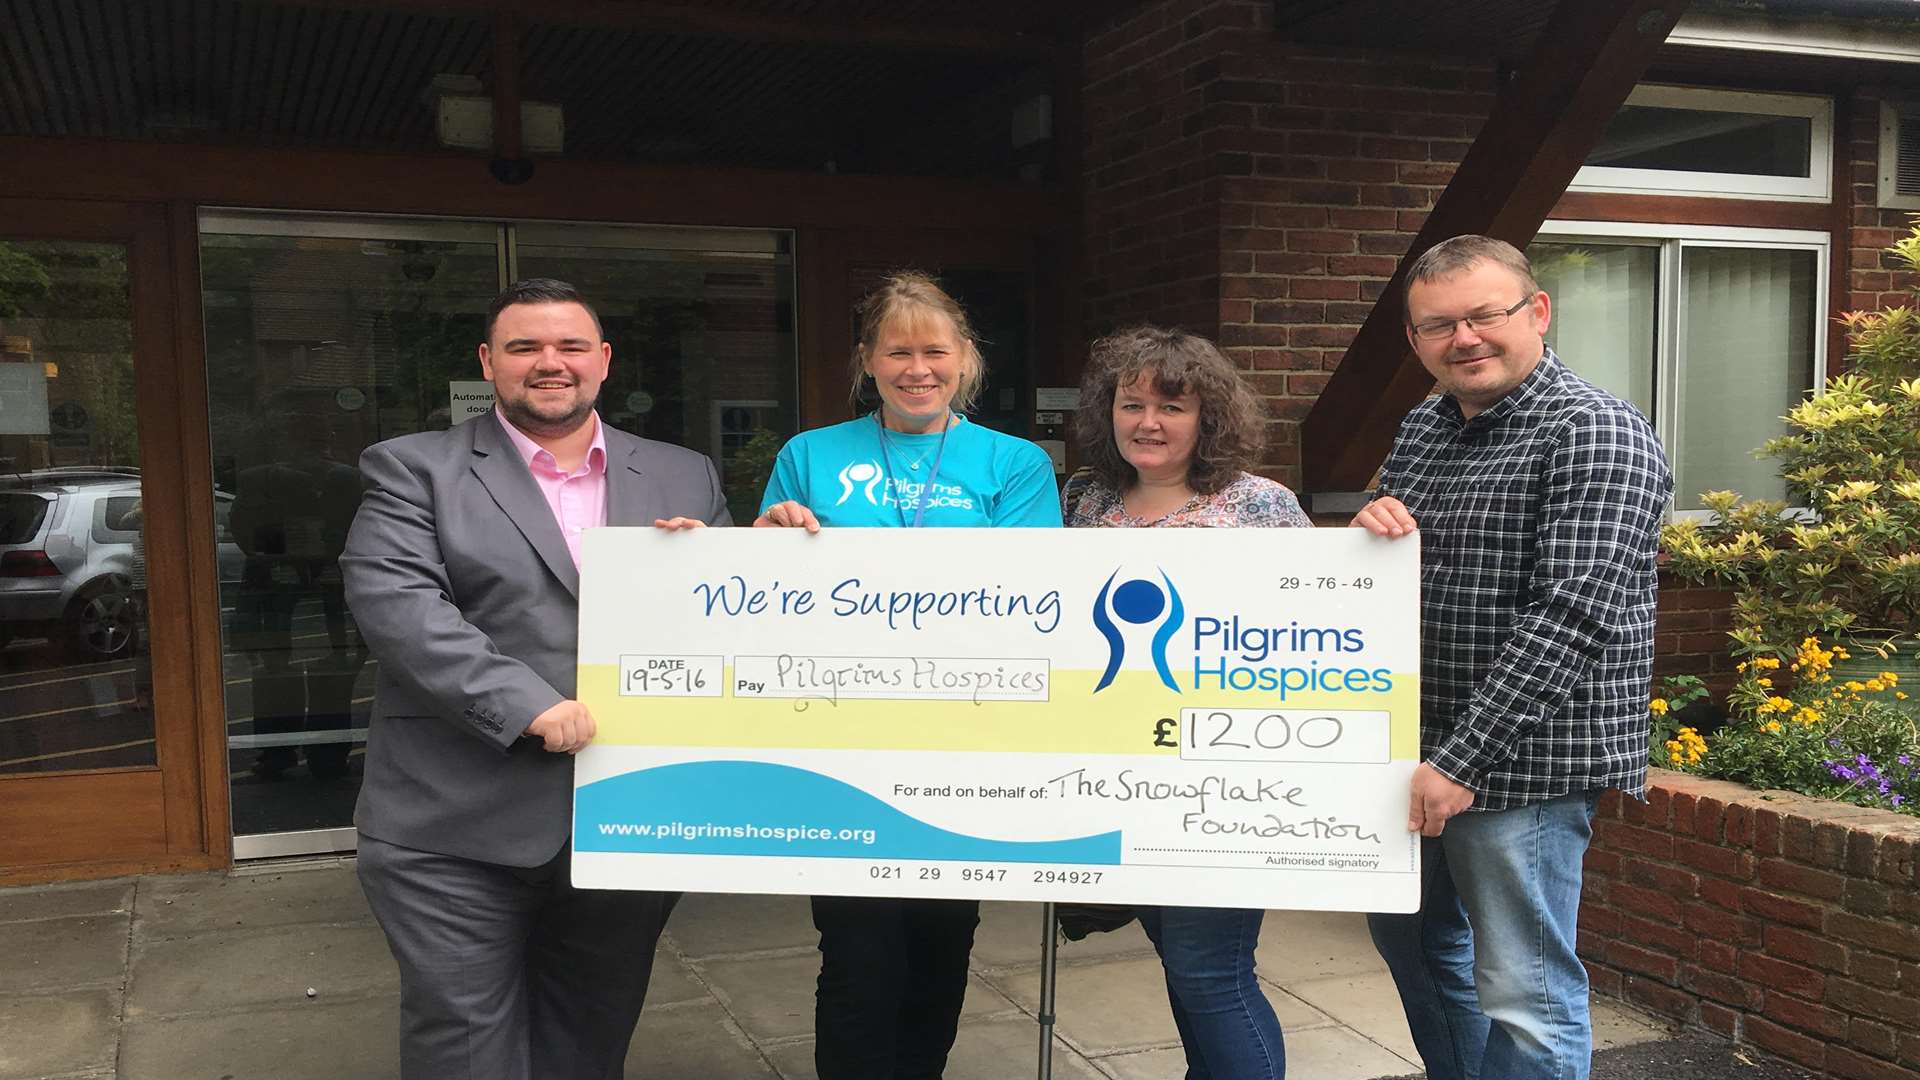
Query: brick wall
x,y
1789,923
1256,192
1690,633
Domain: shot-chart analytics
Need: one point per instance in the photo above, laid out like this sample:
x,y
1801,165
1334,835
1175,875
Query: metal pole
x,y
1049,954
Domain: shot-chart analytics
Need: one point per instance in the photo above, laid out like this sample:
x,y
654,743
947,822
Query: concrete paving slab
x,y
999,1049
794,1060
1315,945
1164,1064
772,996
253,968
53,1034
672,983
64,952
1368,1004
1007,1049
169,907
693,1041
58,901
1120,1006
1328,1053
315,1040
1616,1025
1335,1053
1009,937
719,924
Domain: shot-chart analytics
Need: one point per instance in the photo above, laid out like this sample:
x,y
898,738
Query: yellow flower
x,y
1771,663
1901,694
1772,727
1658,705
1890,678
1875,685
1764,682
1741,666
1856,685
1808,715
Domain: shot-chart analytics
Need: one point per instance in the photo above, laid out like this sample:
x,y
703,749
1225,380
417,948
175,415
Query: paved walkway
x,y
278,973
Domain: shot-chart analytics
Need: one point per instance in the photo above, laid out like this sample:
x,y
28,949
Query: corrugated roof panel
x,y
280,74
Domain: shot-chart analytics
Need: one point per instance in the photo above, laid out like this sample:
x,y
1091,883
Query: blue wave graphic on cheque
x,y
756,808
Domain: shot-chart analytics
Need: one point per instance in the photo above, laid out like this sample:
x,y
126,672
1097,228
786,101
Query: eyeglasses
x,y
1478,322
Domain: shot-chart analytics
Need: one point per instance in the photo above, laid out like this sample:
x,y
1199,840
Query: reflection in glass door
x,y
76,687
323,338
328,334
701,323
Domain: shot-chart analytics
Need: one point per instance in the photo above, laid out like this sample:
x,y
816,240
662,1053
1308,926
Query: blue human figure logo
x,y
1139,602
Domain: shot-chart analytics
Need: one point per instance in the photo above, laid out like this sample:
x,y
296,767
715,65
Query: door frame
x,y
825,259
170,816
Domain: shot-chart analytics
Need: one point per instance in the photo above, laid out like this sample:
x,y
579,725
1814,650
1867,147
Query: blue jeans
x,y
1226,1024
1486,968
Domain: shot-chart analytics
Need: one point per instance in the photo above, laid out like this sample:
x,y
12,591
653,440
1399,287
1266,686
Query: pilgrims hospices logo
x,y
1139,602
864,473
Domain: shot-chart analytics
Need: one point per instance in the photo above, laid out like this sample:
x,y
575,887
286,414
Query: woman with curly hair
x,y
1168,428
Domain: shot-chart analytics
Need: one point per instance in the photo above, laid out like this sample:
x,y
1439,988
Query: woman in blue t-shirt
x,y
893,971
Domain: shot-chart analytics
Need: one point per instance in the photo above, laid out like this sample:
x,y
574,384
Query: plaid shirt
x,y
1539,521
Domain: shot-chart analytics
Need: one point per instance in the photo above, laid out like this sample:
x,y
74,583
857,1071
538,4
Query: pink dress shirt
x,y
578,499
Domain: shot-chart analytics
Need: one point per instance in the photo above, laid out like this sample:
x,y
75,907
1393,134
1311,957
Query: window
x,y
1714,333
1677,140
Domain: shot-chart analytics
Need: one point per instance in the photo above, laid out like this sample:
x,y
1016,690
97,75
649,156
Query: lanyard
x,y
886,460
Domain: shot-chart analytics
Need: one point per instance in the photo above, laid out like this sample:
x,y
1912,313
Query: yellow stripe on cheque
x,y
1118,720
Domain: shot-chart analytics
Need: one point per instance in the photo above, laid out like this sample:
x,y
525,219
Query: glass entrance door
x,y
76,680
100,762
328,334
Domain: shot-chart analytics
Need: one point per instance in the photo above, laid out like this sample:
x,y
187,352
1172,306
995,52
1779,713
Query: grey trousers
x,y
510,973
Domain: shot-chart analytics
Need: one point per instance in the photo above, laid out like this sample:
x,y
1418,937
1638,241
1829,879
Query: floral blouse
x,y
1250,502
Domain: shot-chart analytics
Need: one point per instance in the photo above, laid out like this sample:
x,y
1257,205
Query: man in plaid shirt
x,y
1538,499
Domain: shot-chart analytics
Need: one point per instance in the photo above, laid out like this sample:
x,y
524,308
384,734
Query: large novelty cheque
x,y
1172,716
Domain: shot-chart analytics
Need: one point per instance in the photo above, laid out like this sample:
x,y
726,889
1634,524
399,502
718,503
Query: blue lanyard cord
x,y
886,461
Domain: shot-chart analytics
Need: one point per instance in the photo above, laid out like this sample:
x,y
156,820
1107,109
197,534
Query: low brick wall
x,y
1788,923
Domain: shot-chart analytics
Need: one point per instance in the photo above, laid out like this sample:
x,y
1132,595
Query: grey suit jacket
x,y
460,581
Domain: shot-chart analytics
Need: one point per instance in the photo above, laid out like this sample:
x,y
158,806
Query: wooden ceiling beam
x,y
664,17
1542,127
458,185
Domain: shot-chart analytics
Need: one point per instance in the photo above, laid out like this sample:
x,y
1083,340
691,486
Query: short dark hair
x,y
1232,422
1460,254
539,290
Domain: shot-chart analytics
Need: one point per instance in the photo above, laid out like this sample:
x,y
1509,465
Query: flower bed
x,y
1785,922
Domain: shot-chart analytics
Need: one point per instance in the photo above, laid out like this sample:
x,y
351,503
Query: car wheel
x,y
104,623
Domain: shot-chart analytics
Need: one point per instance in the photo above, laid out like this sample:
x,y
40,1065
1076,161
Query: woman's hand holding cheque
x,y
787,515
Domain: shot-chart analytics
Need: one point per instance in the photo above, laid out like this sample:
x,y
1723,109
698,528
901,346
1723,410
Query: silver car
x,y
73,561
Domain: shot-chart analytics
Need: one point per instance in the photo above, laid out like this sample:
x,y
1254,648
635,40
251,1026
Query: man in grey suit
x,y
462,571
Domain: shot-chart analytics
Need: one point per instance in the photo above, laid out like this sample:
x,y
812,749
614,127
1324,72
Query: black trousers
x,y
509,973
893,975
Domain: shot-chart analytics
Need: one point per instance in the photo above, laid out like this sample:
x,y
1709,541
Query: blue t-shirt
x,y
848,476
